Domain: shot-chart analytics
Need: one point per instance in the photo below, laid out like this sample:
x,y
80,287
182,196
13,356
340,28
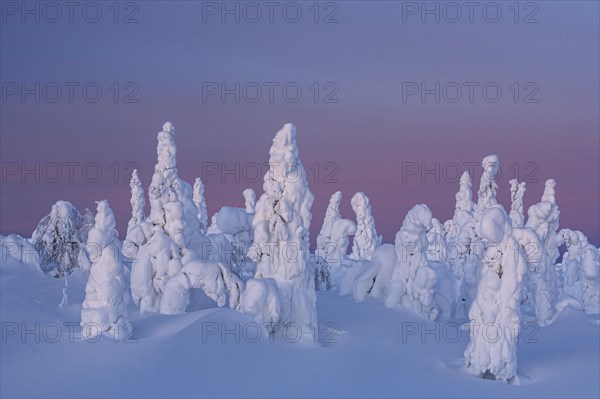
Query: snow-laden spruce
x,y
486,195
581,270
60,241
494,315
517,191
459,255
436,237
542,282
200,203
281,247
137,201
366,239
333,241
413,280
104,310
173,258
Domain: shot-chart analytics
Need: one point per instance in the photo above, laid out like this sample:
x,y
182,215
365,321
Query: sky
x,y
395,99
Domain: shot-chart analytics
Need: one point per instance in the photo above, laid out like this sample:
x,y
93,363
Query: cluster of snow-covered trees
x,y
485,265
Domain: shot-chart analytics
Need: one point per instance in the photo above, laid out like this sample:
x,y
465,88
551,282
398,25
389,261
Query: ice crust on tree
x,y
366,239
104,310
172,260
496,306
281,233
59,240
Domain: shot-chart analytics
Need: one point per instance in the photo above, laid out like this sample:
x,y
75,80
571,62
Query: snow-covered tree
x,y
486,196
542,218
413,280
366,239
581,270
332,244
281,232
459,254
200,202
494,315
137,201
332,241
172,259
59,240
517,191
436,237
104,310
249,200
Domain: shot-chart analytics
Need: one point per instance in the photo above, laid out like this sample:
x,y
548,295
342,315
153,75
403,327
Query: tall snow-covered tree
x,y
486,195
517,191
281,233
366,239
171,260
494,315
59,240
137,201
459,254
104,310
200,202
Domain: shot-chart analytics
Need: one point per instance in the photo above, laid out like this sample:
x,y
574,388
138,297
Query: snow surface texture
x,y
281,232
104,310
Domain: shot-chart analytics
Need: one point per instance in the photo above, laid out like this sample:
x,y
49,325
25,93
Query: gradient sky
x,y
370,134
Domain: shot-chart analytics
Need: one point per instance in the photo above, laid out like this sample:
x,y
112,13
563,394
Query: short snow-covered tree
x,y
104,310
494,315
281,247
366,239
332,241
413,280
59,240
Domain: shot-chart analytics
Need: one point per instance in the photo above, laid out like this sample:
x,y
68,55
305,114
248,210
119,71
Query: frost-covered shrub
x,y
59,240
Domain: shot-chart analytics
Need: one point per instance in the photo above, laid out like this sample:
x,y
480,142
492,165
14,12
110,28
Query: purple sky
x,y
366,139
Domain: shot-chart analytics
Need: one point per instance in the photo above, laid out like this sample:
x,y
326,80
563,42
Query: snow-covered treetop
x,y
415,226
517,191
463,210
249,200
486,196
166,149
332,214
137,201
200,202
549,192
